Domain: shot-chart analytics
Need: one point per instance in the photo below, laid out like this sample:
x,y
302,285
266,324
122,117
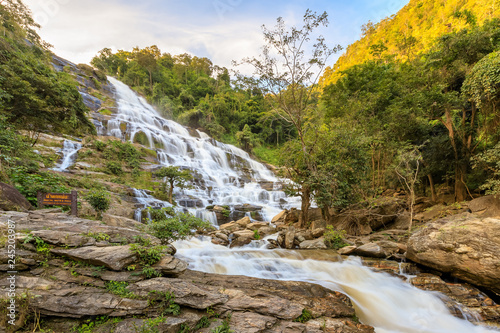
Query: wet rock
x,y
222,236
113,257
244,234
241,241
12,200
464,246
313,244
290,238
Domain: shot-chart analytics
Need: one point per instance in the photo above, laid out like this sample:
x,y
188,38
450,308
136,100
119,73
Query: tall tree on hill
x,y
288,70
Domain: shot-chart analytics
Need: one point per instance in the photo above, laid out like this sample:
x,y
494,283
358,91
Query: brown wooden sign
x,y
59,199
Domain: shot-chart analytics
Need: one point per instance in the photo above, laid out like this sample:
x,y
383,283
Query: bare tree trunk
x,y
306,203
433,189
171,193
460,187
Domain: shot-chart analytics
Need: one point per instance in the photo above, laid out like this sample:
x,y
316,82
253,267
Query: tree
x,y
99,200
408,167
174,176
288,70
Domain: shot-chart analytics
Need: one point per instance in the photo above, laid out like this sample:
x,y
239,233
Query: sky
x,y
221,30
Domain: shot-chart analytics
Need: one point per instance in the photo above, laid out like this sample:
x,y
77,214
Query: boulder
x,y
380,249
465,246
12,200
170,266
487,206
231,226
244,234
280,217
318,232
251,322
241,241
244,222
257,225
347,250
290,238
313,244
112,257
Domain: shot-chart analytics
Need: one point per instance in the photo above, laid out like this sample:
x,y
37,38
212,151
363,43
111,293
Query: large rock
x,y
64,238
487,206
464,246
186,293
290,238
120,221
12,200
113,257
313,244
380,249
171,266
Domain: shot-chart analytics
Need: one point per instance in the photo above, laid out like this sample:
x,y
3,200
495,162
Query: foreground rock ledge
x,y
465,246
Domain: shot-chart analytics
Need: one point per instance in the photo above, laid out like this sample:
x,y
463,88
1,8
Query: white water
x,y
226,175
382,301
69,152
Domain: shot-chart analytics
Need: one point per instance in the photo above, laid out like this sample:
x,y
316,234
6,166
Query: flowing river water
x,y
228,176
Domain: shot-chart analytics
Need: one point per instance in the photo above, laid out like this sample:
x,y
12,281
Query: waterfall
x,y
224,174
385,302
69,152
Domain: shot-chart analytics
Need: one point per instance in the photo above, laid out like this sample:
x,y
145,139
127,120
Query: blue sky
x,y
222,30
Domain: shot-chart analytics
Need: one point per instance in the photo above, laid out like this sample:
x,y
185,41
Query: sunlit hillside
x,y
413,30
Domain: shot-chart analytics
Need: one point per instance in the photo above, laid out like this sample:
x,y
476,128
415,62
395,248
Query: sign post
x,y
59,199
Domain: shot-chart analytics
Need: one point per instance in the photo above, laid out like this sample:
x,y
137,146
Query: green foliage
x,y
173,176
304,317
148,255
256,234
91,325
33,96
99,200
204,322
119,288
29,182
165,301
150,272
150,325
335,238
99,236
224,327
99,145
176,226
114,168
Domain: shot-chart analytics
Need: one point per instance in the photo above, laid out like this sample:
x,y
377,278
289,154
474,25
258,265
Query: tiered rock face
x,y
74,277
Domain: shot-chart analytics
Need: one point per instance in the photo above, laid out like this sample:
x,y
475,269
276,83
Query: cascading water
x,y
382,301
225,175
69,152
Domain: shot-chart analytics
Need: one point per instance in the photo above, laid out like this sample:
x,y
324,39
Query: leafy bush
x,y
99,200
176,226
148,255
29,183
335,238
114,168
99,145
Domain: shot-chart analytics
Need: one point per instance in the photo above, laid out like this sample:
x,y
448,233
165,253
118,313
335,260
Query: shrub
x,y
99,200
114,168
176,226
304,317
335,238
